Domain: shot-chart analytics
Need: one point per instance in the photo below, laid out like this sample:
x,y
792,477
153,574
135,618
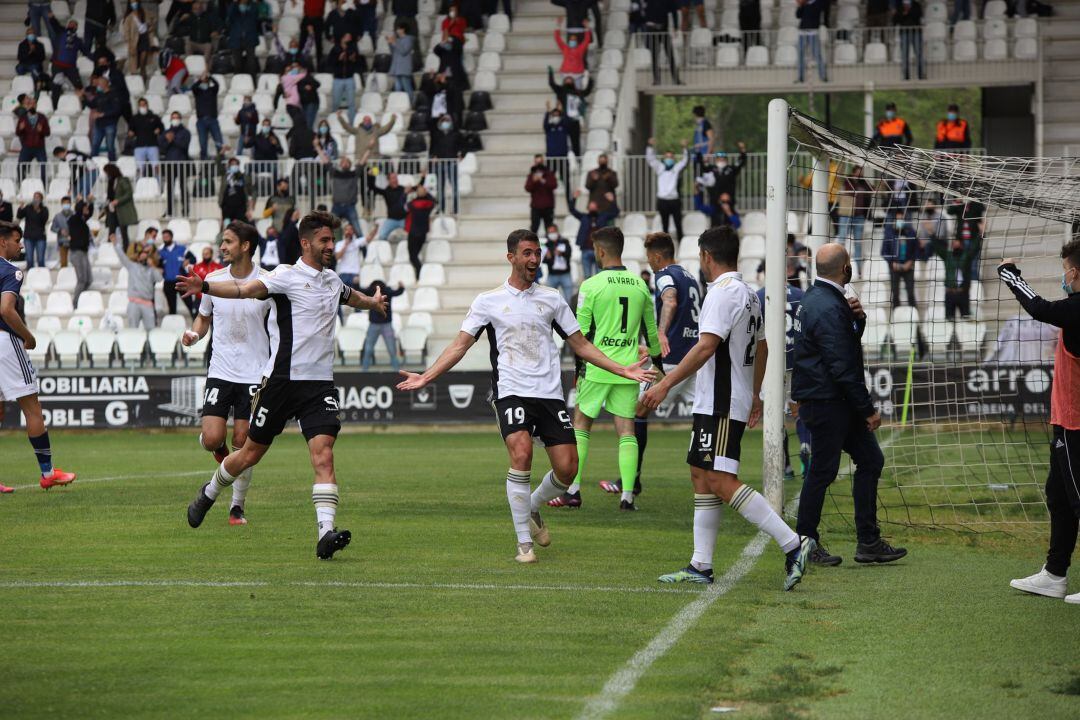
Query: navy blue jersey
x,y
794,299
683,333
11,280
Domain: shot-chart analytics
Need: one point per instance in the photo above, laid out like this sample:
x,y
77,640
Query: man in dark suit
x,y
834,404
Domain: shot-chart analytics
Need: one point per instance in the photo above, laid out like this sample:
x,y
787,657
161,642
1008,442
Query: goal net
x,y
960,373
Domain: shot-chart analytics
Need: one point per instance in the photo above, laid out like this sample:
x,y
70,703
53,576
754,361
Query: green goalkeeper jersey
x,y
612,305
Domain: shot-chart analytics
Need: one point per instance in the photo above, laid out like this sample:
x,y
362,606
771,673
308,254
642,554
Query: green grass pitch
x,y
426,615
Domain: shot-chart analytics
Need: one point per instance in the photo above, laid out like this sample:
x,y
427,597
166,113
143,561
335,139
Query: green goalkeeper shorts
x,y
619,398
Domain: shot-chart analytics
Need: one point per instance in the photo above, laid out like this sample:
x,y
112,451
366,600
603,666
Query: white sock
x,y
518,483
240,488
707,510
325,497
628,495
221,480
748,502
548,489
574,487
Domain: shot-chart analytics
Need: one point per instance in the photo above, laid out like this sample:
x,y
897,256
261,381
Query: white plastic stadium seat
x,y
996,49
1026,49
485,81
351,343
688,248
964,30
413,343
131,342
67,345
937,12
499,23
695,223
91,303
402,273
59,304
146,188
435,251
875,54
421,320
81,324
99,346
964,51
426,298
431,275
727,55
845,54
162,346
635,224
444,228
757,56
175,324
1025,28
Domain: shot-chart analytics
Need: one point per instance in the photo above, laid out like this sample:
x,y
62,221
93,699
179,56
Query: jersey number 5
x,y
751,345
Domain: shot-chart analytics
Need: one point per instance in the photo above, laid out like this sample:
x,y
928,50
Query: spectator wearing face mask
x,y
446,99
265,151
326,147
344,189
541,185
173,144
589,221
139,36
280,206
242,22
32,129
953,133
557,252
105,113
30,56
418,222
720,179
199,30
668,197
59,227
79,244
724,212
572,99
121,203
233,196
367,135
900,249
556,140
450,52
143,275
143,132
445,150
892,129
35,216
395,198
343,62
453,25
205,92
175,261
381,325
601,184
67,46
247,119
574,51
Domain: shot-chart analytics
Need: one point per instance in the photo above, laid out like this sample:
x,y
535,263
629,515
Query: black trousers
x,y
175,176
540,219
957,302
573,131
1063,498
416,244
908,276
657,42
170,295
670,209
835,427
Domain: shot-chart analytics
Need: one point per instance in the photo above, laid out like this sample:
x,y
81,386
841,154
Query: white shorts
x,y
17,375
684,390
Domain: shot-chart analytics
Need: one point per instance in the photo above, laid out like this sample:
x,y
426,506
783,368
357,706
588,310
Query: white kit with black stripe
x,y
725,383
242,331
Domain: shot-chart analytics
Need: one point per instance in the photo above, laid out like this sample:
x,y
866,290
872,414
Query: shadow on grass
x,y
784,692
1069,687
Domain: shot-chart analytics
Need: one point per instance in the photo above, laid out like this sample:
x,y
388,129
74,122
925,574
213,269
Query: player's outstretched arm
x,y
698,356
190,285
590,353
376,302
450,357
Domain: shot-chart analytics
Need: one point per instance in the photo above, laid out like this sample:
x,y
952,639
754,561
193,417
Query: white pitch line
x,y
85,584
623,682
155,475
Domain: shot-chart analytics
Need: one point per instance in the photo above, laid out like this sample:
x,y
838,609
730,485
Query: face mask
x,y
135,6
669,163
556,118
143,110
31,118
572,44
66,207
444,126
265,129
242,8
1065,284
366,124
890,114
175,123
951,117
294,71
899,224
30,38
553,236
204,85
721,163
293,51
234,168
324,130
37,201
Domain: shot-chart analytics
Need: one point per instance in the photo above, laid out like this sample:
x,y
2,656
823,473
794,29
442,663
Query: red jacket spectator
x,y
202,269
176,64
542,190
32,136
454,27
573,58
314,8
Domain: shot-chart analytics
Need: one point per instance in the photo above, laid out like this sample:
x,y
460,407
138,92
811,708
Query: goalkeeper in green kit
x,y
612,307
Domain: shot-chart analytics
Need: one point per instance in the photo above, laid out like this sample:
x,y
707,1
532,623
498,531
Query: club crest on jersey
x,y
506,309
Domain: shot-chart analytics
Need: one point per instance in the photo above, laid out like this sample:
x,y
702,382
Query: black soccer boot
x,y
198,508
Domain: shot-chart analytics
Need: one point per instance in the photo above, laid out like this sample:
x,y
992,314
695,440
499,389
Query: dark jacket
x,y
556,138
901,246
828,356
289,249
197,27
267,147
600,182
1064,313
5,211
724,180
177,148
570,95
592,222
912,18
109,105
78,230
247,118
394,197
343,186
206,104
419,218
338,22
542,191
375,316
66,44
810,14
565,248
243,28
36,220
445,144
343,64
147,129
30,53
405,8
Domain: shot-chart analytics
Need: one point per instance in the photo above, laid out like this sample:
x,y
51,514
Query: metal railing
x,y
196,189
849,55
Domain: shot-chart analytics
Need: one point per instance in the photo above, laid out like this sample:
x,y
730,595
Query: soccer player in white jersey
x,y
18,380
299,375
519,318
729,360
240,351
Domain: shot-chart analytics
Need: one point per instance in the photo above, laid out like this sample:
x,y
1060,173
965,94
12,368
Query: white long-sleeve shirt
x,y
667,181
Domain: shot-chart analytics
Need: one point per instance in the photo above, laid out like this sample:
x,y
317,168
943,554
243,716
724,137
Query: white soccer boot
x,y
1073,599
525,553
1042,583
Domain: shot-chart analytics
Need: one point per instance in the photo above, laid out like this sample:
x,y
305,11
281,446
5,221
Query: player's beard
x,y
530,273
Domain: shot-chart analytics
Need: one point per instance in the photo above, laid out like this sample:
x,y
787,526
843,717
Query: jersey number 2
x,y
751,345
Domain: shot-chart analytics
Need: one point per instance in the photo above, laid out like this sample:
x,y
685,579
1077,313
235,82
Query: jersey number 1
x,y
625,302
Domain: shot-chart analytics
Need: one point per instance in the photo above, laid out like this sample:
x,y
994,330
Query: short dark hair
x,y
721,244
662,243
1070,253
315,221
66,197
609,238
245,233
7,228
519,236
167,230
699,110
890,106
59,150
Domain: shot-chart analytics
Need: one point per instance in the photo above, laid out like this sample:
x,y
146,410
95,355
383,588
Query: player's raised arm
x,y
450,357
704,349
590,353
190,285
356,299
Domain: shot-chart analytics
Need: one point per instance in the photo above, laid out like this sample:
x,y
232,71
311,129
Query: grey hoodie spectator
x,y
143,275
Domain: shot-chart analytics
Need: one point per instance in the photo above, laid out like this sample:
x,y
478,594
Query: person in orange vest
x,y
1062,493
953,132
892,129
